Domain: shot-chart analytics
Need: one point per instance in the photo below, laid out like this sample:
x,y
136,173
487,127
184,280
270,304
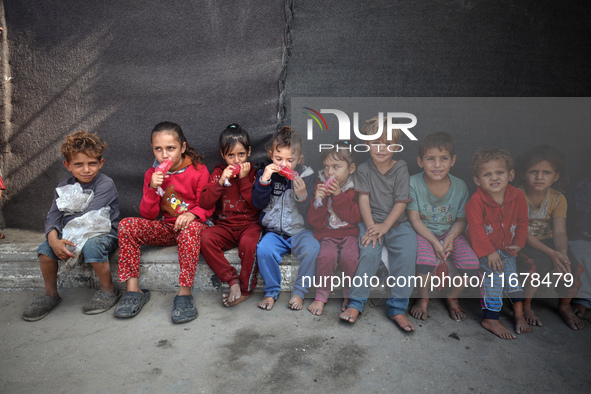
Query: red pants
x,y
219,238
336,252
134,232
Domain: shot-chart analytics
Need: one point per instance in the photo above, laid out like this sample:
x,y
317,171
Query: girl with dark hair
x,y
236,219
542,176
171,215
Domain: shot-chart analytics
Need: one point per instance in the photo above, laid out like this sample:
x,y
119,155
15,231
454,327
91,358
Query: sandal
x,y
40,307
131,304
184,309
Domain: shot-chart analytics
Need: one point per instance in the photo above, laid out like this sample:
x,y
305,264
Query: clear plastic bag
x,y
81,229
73,199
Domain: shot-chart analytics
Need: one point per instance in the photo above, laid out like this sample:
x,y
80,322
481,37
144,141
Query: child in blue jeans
x,y
282,216
82,153
383,186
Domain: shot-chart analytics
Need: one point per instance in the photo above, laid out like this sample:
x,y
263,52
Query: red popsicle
x,y
288,173
164,166
318,201
235,169
328,182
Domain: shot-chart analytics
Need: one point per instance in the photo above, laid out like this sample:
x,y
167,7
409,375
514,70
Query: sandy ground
x,y
245,349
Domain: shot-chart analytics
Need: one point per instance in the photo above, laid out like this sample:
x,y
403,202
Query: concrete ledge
x,y
159,267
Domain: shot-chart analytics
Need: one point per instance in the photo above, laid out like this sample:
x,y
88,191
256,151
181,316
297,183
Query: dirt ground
x,y
245,349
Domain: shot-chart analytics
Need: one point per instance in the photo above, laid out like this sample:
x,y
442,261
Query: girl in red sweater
x,y
171,215
236,219
334,215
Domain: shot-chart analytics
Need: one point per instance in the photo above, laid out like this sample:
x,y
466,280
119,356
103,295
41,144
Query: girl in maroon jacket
x,y
236,221
334,215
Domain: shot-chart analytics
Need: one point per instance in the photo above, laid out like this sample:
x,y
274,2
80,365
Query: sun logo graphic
x,y
317,117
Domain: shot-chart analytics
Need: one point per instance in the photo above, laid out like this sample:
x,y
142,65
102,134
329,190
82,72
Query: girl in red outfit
x,y
334,217
171,215
236,222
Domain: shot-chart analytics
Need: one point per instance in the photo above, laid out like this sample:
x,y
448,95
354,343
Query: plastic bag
x,y
73,199
81,229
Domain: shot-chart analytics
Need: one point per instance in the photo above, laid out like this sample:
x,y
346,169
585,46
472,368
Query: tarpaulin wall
x,y
119,68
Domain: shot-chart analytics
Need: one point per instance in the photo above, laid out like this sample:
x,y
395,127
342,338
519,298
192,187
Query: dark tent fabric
x,y
119,68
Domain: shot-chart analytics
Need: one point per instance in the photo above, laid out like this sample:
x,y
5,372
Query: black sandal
x,y
131,303
184,309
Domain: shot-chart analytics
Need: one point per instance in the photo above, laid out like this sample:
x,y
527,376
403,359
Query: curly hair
x,y
485,155
83,142
285,138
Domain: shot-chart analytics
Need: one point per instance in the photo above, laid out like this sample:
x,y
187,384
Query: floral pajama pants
x,y
134,232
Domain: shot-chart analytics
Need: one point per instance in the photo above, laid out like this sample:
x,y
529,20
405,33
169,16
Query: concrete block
x,y
159,270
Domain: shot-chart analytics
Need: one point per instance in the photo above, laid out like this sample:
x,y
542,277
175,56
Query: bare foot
x,y
316,307
454,309
402,322
530,316
345,304
570,318
267,303
237,301
419,309
521,325
350,315
497,328
234,294
296,303
579,309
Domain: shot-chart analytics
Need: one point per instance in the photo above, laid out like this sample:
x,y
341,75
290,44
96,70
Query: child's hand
x,y
59,248
157,179
370,239
561,262
334,188
269,170
440,251
183,221
226,174
448,246
299,187
513,248
495,262
320,192
377,230
244,169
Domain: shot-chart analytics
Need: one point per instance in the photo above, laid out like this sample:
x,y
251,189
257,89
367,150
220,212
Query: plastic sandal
x,y
131,303
184,309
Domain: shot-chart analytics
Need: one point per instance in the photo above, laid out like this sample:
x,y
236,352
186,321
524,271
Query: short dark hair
x,y
438,139
485,155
